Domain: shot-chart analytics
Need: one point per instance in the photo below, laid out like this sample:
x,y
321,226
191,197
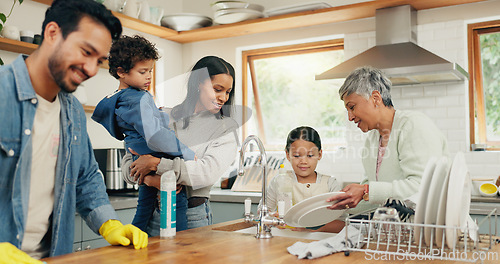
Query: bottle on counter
x,y
285,190
168,204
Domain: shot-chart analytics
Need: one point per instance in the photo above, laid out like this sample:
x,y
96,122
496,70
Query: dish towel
x,y
326,246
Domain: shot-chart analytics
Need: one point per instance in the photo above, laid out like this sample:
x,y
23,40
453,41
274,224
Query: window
x,y
484,83
284,93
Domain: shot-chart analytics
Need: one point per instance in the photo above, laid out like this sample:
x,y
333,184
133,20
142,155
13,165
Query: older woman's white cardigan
x,y
414,139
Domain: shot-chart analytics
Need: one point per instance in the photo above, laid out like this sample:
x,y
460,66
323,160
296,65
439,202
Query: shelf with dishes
x,y
277,22
17,46
135,24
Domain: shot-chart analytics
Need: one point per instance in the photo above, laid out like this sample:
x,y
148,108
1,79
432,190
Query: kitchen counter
x,y
481,205
215,244
485,199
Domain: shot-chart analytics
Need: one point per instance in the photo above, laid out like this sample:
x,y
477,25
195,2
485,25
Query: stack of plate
x,y
227,12
445,193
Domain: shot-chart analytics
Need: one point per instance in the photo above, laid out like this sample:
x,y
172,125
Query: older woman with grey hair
x,y
398,146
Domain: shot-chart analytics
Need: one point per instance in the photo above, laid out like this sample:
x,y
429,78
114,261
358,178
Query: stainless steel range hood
x,y
397,55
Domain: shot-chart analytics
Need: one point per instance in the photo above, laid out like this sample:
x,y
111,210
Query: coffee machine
x,y
110,165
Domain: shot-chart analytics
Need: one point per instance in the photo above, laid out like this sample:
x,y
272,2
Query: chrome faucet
x,y
264,221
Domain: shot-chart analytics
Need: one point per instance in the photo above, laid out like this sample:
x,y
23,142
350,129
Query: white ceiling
x,y
203,6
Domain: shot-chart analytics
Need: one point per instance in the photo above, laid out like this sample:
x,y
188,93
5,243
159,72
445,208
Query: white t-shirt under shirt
x,y
45,140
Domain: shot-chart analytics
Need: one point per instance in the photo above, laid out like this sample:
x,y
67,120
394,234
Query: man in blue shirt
x,y
47,168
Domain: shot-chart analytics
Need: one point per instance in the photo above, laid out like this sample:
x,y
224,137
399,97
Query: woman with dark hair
x,y
214,66
202,122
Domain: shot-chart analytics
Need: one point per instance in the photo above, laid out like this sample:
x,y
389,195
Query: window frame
x,y
248,58
476,92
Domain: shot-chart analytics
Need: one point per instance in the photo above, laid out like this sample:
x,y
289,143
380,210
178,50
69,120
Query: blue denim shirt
x,y
79,185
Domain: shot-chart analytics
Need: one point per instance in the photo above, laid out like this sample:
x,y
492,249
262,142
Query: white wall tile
x,y
454,47
412,92
360,44
450,100
434,91
456,89
455,135
424,102
435,113
431,26
450,123
445,33
423,36
454,146
403,103
453,24
395,92
456,112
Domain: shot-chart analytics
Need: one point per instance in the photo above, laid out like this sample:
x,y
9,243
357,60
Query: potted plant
x,y
3,19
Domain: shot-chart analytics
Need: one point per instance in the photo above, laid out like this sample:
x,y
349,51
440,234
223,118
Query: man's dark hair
x,y
68,13
127,51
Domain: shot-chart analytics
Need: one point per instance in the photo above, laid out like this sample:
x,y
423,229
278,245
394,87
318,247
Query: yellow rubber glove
x,y
118,234
12,255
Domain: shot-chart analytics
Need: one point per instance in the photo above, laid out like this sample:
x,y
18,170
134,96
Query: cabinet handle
x,y
88,247
78,249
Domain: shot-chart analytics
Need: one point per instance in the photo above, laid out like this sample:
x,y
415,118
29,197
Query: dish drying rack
x,y
390,240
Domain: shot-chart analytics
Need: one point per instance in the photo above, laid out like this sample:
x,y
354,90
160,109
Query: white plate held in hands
x,y
312,211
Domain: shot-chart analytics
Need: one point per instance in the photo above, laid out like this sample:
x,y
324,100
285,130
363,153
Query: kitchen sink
x,y
246,228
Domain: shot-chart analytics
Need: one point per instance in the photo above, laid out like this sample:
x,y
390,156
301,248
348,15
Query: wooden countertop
x,y
214,244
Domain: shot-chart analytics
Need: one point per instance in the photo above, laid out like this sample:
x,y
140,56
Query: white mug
x,y
11,32
27,33
27,36
145,13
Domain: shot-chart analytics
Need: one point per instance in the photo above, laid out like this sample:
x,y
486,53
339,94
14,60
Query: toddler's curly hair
x,y
127,51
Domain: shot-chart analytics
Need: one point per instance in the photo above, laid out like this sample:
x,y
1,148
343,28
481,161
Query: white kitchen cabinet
x,y
228,205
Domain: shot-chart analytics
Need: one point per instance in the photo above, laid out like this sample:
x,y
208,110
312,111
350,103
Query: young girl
x,y
303,151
